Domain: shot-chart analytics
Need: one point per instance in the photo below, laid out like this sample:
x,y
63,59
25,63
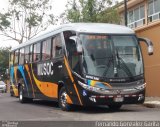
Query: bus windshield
x,y
111,56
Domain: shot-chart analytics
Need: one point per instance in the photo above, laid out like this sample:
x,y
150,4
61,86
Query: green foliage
x,y
110,15
4,62
73,15
4,18
24,19
91,11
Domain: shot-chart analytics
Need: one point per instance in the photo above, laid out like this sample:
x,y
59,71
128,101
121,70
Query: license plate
x,y
118,99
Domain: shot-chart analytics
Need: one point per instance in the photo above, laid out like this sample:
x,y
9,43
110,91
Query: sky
x,y
57,9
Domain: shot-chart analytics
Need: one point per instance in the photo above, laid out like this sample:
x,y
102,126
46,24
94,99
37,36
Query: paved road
x,y
11,109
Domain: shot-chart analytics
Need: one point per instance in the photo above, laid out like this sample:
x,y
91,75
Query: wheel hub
x,y
64,99
20,95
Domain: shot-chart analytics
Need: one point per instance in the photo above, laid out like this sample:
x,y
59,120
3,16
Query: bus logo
x,y
45,69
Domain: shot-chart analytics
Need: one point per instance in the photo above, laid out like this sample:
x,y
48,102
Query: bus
x,y
86,64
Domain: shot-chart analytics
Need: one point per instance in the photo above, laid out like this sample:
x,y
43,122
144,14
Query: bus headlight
x,y
82,84
91,88
141,86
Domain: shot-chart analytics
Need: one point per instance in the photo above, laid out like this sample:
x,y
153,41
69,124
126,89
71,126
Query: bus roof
x,y
103,28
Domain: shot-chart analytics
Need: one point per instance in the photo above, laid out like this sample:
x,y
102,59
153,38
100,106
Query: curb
x,y
152,104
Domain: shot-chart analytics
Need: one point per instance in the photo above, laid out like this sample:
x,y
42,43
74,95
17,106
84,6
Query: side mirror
x,y
149,44
74,38
78,43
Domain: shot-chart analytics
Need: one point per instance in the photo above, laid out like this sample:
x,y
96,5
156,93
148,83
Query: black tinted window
x,y
46,49
36,52
21,56
11,58
16,54
26,54
30,52
56,46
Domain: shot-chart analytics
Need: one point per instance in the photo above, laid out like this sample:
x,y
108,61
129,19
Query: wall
x,y
151,63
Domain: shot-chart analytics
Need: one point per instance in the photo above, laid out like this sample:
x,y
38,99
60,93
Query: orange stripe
x,y
69,101
71,77
107,84
27,68
47,88
15,90
15,73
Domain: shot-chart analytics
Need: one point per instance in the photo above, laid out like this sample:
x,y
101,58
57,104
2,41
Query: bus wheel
x,y
62,100
22,99
115,106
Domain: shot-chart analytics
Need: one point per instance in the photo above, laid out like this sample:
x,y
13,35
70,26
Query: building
x,y
144,18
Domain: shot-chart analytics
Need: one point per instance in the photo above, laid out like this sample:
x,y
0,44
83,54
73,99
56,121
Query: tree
x,y
4,62
24,19
110,15
91,11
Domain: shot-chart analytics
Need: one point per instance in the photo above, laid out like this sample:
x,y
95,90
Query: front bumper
x,y
101,99
131,93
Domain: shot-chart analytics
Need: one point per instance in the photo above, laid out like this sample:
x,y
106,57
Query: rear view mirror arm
x,y
149,44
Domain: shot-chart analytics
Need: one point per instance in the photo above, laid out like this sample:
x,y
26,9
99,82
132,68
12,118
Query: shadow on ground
x,y
79,109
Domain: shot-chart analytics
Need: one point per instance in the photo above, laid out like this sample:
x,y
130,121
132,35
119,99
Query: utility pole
x,y
125,12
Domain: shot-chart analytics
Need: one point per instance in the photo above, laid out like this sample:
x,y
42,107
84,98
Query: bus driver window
x,y
71,50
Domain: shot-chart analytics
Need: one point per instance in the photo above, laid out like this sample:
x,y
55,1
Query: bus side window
x,y
26,59
11,58
21,56
46,49
36,52
56,46
30,53
16,57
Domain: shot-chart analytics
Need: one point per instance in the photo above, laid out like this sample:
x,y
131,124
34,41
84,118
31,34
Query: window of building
x,y
16,53
142,12
21,56
136,14
130,17
56,46
136,17
150,7
157,6
153,10
46,49
36,52
26,54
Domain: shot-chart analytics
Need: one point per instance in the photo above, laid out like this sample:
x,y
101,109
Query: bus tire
x,y
115,107
22,99
62,100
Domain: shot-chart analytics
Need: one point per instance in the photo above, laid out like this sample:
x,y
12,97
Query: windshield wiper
x,y
111,60
124,66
